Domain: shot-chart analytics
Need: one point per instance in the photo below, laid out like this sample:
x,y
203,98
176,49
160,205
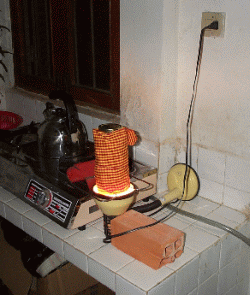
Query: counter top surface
x,y
120,272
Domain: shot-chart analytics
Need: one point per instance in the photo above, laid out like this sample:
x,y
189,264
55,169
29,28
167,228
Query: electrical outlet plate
x,y
208,18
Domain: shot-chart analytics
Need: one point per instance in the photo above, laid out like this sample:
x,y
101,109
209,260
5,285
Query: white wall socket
x,y
208,18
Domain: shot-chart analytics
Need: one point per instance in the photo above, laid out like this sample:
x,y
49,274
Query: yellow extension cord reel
x,y
175,181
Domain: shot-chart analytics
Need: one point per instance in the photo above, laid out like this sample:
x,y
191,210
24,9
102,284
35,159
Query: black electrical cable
x,y
148,207
188,138
188,155
108,238
156,204
189,120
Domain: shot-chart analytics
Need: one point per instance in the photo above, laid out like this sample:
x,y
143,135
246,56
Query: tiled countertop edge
x,y
104,262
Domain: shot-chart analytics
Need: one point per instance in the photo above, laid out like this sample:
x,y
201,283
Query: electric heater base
x,y
89,211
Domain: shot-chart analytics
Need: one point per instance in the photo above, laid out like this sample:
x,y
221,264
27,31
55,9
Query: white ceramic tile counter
x,y
213,262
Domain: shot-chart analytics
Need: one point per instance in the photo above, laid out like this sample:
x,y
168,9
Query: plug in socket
x,y
208,18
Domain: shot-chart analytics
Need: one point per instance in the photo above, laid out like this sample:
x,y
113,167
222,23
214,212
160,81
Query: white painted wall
x,y
158,36
149,64
222,108
141,46
149,67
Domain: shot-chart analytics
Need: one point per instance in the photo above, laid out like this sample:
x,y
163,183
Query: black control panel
x,y
50,200
53,203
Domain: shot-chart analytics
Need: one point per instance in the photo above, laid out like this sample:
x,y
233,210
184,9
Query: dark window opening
x,y
70,44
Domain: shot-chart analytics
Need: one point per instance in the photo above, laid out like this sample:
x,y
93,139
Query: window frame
x,y
82,96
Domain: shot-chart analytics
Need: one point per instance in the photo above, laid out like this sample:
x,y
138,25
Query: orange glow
x,y
115,193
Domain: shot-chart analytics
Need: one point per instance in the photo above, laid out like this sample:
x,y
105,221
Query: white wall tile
x,y
231,214
37,217
211,229
187,277
6,196
194,292
230,248
202,210
197,239
216,216
92,237
186,256
209,287
176,223
237,174
243,286
214,169
53,242
95,124
5,100
245,249
211,165
58,230
167,287
99,224
101,274
204,205
114,261
227,277
236,290
209,262
70,249
53,234
186,219
244,266
211,190
189,207
19,206
244,228
32,229
26,120
13,216
144,277
76,257
236,199
124,288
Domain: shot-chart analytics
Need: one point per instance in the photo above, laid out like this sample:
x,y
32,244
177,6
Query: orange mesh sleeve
x,y
111,159
132,138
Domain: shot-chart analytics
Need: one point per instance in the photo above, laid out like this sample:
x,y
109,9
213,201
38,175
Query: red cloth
x,y
81,171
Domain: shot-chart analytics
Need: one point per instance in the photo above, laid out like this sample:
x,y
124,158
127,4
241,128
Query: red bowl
x,y
9,120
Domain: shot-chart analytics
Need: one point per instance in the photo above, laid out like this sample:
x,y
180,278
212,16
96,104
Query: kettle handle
x,y
71,110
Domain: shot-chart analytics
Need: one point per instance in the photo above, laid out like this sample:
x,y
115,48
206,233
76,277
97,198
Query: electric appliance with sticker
x,y
68,204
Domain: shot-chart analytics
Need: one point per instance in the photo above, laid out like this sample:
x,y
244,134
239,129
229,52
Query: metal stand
x,y
107,227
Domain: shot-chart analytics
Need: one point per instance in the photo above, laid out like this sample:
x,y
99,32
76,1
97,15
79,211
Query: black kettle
x,y
62,137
